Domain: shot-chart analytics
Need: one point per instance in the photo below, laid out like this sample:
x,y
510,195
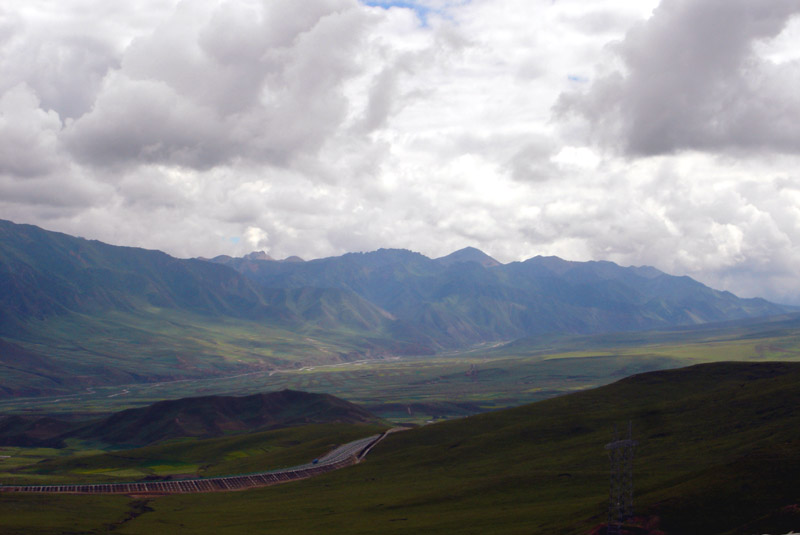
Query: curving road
x,y
345,455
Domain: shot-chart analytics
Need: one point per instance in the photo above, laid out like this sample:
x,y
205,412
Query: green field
x,y
420,389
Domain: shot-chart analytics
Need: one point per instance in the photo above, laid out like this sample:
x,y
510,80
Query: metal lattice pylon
x,y
620,507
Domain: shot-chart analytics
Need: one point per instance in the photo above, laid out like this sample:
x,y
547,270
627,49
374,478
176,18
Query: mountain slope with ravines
x,y
77,313
468,298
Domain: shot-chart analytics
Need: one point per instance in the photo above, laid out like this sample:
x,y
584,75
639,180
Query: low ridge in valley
x,y
208,416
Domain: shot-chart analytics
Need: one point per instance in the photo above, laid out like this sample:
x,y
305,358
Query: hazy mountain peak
x,y
258,255
219,259
601,268
292,259
383,257
468,254
552,264
648,272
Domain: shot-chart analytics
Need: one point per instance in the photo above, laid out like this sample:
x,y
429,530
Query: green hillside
x,y
719,453
70,353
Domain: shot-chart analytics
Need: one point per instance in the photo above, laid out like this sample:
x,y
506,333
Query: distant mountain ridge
x,y
385,302
463,298
468,297
45,274
468,254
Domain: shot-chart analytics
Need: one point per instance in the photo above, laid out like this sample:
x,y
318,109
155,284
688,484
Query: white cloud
x,y
319,127
216,83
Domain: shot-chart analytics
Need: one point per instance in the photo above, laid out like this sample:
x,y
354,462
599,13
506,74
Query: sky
x,y
642,132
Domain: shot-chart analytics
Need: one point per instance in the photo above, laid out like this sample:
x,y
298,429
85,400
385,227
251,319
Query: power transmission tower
x,y
620,507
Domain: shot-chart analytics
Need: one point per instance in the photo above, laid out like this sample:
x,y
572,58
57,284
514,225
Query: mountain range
x,y
71,307
468,297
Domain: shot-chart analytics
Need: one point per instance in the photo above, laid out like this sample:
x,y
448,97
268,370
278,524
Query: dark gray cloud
x,y
692,80
69,73
146,121
61,63
382,96
532,161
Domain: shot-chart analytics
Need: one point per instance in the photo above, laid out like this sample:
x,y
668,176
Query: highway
x,y
345,455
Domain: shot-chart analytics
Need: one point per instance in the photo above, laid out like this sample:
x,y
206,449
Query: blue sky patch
x,y
421,11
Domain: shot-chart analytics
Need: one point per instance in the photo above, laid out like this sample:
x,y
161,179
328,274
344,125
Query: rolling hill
x,y
214,416
204,417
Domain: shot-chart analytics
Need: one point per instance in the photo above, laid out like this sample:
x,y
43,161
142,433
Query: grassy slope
x,y
720,447
541,468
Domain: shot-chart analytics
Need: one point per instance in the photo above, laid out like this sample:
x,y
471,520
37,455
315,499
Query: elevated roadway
x,y
345,455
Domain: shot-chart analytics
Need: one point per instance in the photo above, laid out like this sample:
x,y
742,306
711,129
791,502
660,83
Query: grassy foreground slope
x,y
719,454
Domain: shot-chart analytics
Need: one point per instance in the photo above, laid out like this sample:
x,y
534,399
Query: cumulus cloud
x,y
259,81
691,79
314,128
